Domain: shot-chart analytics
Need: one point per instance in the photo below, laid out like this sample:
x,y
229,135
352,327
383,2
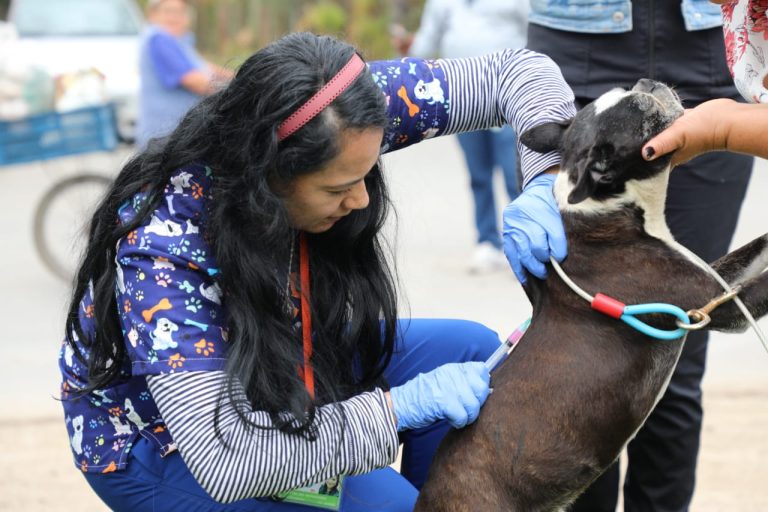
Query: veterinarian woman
x,y
233,331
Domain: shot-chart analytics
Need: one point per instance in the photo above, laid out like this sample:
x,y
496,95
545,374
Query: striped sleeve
x,y
354,436
519,87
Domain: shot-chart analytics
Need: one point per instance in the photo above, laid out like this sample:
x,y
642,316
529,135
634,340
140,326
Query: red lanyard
x,y
306,315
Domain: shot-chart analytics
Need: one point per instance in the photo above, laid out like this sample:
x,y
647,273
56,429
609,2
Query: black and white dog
x,y
580,384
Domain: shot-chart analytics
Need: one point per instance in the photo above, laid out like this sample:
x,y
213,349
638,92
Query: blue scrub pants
x,y
153,483
484,150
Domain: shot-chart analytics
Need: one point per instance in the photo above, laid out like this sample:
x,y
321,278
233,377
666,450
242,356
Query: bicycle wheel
x,y
60,223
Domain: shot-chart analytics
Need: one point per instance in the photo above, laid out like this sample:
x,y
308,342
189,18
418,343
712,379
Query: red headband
x,y
322,98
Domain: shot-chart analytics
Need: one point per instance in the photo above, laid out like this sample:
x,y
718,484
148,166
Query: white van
x,y
63,36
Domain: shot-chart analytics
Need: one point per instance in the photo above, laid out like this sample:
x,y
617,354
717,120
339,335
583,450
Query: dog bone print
x,y
160,306
413,109
201,326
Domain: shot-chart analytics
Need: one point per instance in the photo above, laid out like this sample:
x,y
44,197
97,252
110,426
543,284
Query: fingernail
x,y
649,152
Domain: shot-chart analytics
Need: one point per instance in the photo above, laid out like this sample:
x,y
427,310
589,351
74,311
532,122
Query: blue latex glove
x,y
533,229
454,392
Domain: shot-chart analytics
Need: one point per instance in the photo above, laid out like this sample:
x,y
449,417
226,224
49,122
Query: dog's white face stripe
x,y
609,99
648,194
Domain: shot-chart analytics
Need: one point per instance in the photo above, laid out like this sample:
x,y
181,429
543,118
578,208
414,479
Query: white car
x,y
64,36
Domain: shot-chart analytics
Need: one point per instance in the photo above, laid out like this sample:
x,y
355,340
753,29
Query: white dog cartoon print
x,y
121,429
132,415
430,91
163,227
212,293
77,434
180,182
162,336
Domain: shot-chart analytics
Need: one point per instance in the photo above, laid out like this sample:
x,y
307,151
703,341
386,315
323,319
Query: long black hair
x,y
234,133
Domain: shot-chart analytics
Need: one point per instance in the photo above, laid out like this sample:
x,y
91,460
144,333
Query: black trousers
x,y
702,209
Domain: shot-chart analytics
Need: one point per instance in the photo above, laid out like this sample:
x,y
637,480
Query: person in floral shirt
x,y
723,124
233,332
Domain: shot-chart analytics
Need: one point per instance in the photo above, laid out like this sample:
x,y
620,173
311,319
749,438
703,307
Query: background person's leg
x,y
703,205
425,345
602,495
505,155
478,154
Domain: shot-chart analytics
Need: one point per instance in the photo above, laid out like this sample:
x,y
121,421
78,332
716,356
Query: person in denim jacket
x,y
602,45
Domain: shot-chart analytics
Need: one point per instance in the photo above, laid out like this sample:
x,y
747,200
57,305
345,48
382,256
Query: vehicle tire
x,y
60,221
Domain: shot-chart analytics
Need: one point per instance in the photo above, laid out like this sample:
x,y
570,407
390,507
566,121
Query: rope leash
x,y
617,309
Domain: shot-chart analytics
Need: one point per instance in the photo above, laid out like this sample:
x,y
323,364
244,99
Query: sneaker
x,y
486,259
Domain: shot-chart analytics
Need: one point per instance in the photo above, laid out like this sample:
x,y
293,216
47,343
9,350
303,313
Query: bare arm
x,y
715,125
204,82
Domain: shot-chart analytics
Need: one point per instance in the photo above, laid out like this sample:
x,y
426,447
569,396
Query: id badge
x,y
325,494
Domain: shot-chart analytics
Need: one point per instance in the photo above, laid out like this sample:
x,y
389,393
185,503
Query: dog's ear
x,y
545,137
585,186
593,173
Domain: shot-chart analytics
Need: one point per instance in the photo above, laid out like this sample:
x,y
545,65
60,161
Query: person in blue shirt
x,y
233,332
173,74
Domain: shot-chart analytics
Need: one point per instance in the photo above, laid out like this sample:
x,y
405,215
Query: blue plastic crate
x,y
55,134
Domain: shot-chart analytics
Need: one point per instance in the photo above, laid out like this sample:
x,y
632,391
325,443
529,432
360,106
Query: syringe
x,y
507,347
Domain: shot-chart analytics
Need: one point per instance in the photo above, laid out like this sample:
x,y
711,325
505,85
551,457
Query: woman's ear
x,y
545,137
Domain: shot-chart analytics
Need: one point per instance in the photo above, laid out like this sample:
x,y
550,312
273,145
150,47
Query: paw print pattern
x,y
119,444
99,440
197,191
193,304
139,295
176,361
144,396
380,79
163,279
179,248
198,255
184,285
132,237
204,347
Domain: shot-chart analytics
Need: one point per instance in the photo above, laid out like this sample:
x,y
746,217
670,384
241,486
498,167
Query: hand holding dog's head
x,y
601,145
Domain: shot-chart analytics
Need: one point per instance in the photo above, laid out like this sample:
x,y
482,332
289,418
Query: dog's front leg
x,y
754,293
744,263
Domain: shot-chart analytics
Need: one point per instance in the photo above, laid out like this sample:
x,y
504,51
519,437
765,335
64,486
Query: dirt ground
x,y
37,474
